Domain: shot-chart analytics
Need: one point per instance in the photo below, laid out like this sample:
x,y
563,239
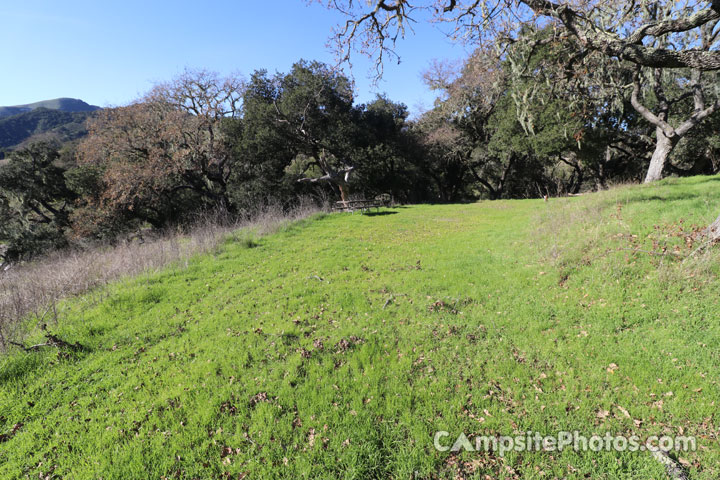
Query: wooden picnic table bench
x,y
364,205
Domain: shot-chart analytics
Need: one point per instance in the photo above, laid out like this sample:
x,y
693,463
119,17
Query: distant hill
x,y
60,104
61,120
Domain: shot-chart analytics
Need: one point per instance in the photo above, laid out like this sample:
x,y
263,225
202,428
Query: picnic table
x,y
364,205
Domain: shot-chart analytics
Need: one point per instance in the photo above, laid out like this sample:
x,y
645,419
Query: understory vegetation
x,y
337,346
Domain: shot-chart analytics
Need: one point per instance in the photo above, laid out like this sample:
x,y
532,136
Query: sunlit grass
x,y
337,347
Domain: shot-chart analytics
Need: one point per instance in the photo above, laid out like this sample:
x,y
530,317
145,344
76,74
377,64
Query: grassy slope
x,y
245,362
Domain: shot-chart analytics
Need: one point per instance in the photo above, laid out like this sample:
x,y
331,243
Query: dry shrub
x,y
34,290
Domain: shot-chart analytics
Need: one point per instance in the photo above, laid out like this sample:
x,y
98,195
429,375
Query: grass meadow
x,y
337,346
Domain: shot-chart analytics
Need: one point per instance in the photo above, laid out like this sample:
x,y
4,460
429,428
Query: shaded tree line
x,y
525,119
202,144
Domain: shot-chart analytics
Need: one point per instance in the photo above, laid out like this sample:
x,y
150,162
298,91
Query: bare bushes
x,y
33,290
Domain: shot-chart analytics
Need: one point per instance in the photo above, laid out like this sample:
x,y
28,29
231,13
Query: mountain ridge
x,y
41,124
63,104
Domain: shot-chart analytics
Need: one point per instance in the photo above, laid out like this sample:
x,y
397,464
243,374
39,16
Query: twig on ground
x,y
52,341
702,246
659,254
387,302
391,298
673,469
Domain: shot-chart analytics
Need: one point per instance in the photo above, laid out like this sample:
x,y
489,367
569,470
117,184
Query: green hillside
x,y
42,123
60,120
338,347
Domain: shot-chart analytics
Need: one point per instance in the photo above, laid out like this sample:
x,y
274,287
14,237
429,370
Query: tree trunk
x,y
493,193
600,182
577,182
663,147
344,192
714,230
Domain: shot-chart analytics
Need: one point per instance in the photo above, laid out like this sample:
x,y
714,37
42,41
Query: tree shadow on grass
x,y
18,364
379,214
662,197
18,367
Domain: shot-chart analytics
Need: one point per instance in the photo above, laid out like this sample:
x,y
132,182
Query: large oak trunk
x,y
663,147
714,230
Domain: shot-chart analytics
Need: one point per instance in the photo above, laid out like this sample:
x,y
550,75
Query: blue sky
x,y
109,52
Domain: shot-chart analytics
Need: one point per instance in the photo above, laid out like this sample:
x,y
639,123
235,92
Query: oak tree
x,y
656,35
166,154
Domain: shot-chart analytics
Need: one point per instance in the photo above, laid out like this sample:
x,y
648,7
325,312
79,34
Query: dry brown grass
x,y
31,293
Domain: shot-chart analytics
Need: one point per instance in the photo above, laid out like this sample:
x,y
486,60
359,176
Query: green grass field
x,y
337,347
